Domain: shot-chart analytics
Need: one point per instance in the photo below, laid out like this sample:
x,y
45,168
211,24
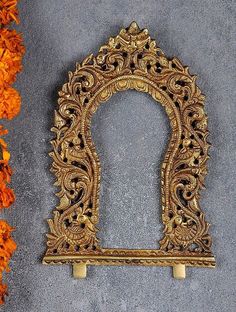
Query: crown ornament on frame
x,y
130,60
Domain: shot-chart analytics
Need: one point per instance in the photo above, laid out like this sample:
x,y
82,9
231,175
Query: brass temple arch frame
x,y
130,60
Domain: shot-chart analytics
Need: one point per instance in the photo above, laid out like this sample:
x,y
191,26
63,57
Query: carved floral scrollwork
x,y
130,60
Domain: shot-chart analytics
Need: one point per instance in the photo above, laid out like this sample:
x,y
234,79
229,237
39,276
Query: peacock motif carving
x,y
131,60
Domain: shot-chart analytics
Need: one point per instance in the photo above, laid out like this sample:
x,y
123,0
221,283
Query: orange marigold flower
x,y
8,11
11,40
3,131
10,65
7,247
5,173
5,236
7,197
10,102
3,293
4,154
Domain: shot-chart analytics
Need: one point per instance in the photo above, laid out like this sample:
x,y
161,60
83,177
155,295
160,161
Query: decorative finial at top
x,y
133,28
130,39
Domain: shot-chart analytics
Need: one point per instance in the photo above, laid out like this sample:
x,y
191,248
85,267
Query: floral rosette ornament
x,y
11,53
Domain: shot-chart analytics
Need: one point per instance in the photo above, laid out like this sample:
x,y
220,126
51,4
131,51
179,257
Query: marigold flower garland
x,y
11,52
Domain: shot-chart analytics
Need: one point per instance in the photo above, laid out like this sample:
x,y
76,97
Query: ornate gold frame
x,y
130,60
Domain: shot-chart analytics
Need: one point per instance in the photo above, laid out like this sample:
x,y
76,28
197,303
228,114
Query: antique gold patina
x,y
130,60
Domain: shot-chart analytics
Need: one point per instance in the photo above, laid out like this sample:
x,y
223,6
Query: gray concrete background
x,y
130,132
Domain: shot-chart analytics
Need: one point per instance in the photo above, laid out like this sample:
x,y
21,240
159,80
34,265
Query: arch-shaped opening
x,y
130,132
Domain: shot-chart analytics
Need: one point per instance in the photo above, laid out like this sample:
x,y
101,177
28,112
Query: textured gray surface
x,y
131,132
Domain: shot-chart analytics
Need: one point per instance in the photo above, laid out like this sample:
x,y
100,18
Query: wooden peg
x,y
79,270
179,271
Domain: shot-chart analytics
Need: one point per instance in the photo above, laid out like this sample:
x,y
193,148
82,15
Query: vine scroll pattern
x,y
130,60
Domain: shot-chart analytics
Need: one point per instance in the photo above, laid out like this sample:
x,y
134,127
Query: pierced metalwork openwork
x,y
131,60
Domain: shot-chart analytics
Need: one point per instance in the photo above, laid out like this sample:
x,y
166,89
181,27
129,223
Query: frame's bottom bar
x,y
129,260
179,264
